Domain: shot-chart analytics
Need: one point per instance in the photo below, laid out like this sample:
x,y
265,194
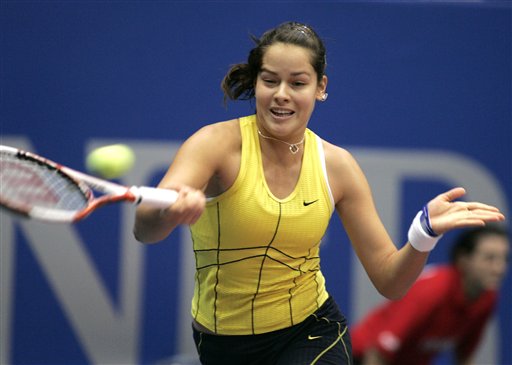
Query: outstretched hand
x,y
446,214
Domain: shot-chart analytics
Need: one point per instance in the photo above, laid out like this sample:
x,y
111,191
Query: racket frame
x,y
113,193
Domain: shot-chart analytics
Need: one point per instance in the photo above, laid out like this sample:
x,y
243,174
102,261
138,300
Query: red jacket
x,y
434,316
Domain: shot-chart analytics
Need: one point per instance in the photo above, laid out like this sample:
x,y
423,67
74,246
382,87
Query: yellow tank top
x,y
257,256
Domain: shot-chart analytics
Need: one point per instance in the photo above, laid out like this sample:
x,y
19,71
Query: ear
x,y
321,88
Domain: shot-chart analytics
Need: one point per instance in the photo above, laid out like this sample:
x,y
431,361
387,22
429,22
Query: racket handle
x,y
154,197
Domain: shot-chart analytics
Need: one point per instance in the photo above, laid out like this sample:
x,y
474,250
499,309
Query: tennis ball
x,y
110,162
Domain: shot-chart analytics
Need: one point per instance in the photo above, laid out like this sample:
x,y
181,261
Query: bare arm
x,y
391,270
211,151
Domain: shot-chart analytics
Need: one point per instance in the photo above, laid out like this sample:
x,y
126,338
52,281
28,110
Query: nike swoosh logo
x,y
309,203
313,337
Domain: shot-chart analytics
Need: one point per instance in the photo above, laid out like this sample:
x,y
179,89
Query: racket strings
x,y
30,183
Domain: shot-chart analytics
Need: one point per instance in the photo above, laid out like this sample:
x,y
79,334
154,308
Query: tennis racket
x,y
37,188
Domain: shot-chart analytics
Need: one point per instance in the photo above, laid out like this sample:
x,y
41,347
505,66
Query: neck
x,y
293,147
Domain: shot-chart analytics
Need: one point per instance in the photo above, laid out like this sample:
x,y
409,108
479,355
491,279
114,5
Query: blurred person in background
x,y
447,308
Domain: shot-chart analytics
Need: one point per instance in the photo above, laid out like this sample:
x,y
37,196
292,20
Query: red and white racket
x,y
38,188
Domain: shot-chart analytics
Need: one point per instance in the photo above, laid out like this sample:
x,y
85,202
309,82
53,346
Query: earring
x,y
324,96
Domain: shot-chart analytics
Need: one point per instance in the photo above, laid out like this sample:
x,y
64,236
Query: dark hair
x,y
466,242
240,80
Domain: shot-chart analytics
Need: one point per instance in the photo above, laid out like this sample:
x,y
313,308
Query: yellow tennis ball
x,y
110,162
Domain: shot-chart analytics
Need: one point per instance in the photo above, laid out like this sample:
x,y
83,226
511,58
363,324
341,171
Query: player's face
x,y
286,91
487,266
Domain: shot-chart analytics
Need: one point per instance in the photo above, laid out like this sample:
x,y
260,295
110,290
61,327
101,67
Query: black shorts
x,y
321,339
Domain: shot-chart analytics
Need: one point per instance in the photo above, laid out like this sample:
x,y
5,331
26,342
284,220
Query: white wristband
x,y
418,238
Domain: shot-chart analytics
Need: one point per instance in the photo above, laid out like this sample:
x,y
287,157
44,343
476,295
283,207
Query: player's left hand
x,y
446,213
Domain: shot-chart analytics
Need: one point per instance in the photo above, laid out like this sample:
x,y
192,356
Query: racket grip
x,y
155,197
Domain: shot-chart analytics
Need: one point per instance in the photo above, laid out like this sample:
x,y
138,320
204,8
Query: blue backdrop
x,y
420,92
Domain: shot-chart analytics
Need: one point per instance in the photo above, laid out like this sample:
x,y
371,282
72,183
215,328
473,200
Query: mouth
x,y
494,282
281,113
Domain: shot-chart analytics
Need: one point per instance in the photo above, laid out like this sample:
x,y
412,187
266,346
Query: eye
x,y
267,79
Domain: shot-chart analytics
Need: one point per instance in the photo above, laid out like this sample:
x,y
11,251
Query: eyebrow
x,y
293,73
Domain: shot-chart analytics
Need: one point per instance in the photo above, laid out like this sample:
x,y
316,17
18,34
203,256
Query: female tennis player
x,y
258,193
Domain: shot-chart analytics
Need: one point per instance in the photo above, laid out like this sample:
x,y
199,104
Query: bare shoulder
x,y
214,144
213,151
225,134
338,159
343,170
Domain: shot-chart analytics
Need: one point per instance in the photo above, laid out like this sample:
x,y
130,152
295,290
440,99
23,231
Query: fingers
x,y
452,194
475,215
446,213
188,207
476,206
475,211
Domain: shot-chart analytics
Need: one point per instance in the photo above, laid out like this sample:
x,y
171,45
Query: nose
x,y
282,93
